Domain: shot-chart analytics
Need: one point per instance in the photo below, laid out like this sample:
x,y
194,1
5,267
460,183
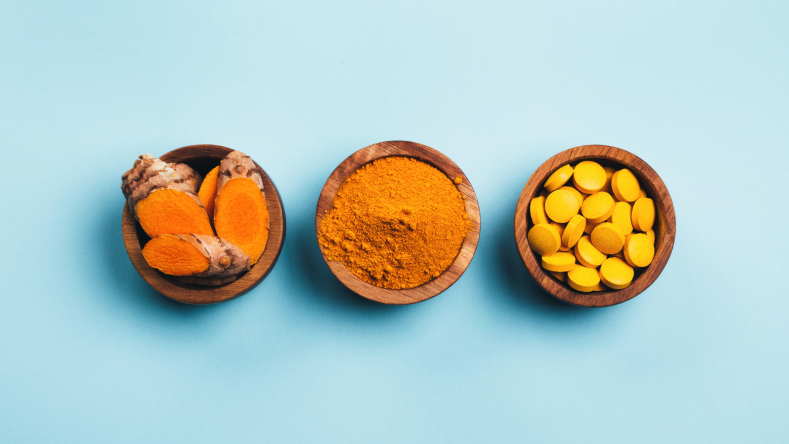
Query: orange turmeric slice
x,y
240,212
174,256
207,191
196,259
172,212
163,197
242,217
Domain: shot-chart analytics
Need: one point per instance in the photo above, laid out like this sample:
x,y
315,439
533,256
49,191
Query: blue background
x,y
90,353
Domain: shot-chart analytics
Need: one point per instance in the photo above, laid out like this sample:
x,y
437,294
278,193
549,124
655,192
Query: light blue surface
x,y
90,353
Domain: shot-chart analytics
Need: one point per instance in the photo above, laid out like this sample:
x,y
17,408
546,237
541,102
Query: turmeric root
x,y
207,191
240,212
163,197
196,259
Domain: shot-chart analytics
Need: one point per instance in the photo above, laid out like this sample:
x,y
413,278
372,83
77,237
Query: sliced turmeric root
x,y
207,191
163,198
240,212
172,212
196,259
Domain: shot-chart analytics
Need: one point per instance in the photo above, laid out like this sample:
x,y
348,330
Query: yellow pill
x,y
561,206
651,235
643,216
621,253
609,172
616,273
559,178
559,229
599,287
559,262
573,230
621,217
589,177
576,193
537,211
544,239
639,250
642,193
587,254
583,279
598,207
608,238
589,227
625,186
562,276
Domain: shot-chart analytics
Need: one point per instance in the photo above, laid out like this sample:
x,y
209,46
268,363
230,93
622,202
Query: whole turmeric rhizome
x,y
396,223
170,201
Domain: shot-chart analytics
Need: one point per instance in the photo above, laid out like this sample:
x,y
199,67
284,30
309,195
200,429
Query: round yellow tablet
x,y
609,172
599,287
651,235
559,229
559,262
639,250
621,217
562,276
642,193
589,177
625,186
544,239
643,216
587,254
537,211
583,279
559,178
589,227
616,273
608,238
598,207
576,193
561,206
573,230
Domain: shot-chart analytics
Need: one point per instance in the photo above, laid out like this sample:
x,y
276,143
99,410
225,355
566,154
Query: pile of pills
x,y
593,226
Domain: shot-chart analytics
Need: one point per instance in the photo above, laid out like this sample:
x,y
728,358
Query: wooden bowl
x,y
665,224
467,249
203,158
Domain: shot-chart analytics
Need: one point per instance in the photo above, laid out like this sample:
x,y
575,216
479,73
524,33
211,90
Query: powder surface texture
x,y
396,223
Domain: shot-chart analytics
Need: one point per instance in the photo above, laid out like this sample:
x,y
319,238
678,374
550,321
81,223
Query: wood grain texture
x,y
665,224
202,158
442,163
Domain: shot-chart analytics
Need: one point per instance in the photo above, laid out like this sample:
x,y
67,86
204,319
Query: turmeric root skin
x,y
163,197
196,259
240,212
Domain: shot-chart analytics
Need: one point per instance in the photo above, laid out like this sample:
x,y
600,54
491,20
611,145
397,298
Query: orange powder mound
x,y
241,216
396,223
207,191
174,256
171,211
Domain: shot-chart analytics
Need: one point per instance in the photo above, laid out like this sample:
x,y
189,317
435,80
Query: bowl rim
x,y
197,294
665,230
433,157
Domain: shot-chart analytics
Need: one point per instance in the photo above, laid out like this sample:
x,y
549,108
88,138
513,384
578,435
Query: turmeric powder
x,y
396,223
